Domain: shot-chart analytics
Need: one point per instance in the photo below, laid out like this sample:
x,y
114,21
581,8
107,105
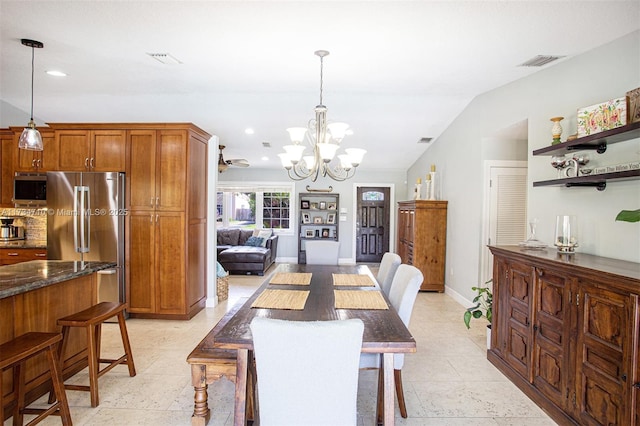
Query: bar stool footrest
x,y
112,363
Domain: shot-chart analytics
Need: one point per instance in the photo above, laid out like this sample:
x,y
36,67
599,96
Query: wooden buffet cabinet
x,y
422,239
166,200
566,331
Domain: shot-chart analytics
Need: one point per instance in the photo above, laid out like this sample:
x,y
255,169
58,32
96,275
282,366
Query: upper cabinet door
x,y
108,149
37,161
171,180
141,169
73,150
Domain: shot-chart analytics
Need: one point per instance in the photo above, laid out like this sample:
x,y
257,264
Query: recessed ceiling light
x,y
249,131
56,73
265,158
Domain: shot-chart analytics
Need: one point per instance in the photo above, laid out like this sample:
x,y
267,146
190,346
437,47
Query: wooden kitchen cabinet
x,y
166,189
422,238
9,256
6,159
36,161
85,150
566,331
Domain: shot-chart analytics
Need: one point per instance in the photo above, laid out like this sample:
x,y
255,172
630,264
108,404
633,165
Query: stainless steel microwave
x,y
30,189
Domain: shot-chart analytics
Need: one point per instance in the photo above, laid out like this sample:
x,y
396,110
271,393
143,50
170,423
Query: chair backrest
x,y
404,290
307,371
388,266
322,252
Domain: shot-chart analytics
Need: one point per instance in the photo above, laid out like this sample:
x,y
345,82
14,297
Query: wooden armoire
x,y
422,239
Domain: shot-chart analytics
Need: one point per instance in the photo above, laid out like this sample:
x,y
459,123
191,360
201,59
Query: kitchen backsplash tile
x,y
33,220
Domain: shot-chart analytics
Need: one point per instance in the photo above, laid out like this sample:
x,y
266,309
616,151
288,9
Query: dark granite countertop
x,y
26,276
24,244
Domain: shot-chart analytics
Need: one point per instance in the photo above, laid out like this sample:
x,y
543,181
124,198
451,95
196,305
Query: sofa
x,y
245,251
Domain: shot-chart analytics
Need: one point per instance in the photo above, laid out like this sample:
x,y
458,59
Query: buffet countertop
x,y
26,276
24,244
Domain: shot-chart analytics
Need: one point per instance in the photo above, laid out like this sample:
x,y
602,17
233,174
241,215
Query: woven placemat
x,y
353,280
281,299
359,299
292,278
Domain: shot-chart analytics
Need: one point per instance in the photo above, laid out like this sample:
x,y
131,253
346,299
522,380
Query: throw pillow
x,y
265,234
254,242
220,272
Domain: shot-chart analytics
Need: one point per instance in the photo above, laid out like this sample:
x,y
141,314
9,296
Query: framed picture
x,y
325,232
331,218
323,205
317,219
331,206
309,233
306,218
304,204
314,206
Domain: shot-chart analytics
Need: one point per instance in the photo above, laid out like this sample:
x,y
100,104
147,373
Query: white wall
x,y
557,90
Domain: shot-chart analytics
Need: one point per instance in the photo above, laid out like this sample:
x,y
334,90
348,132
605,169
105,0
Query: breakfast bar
x,y
33,295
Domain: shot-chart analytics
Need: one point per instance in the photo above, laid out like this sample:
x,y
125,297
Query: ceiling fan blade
x,y
238,162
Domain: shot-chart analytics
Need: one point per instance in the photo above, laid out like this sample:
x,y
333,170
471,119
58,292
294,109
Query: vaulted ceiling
x,y
398,71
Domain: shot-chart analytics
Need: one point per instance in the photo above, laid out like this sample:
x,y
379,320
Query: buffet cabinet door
x,y
604,355
517,323
551,334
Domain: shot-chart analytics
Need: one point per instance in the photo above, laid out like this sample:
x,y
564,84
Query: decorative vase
x,y
566,234
556,130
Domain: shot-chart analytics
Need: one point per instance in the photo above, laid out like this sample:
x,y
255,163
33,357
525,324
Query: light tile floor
x,y
447,382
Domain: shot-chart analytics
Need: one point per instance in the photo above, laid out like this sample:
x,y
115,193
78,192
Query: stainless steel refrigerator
x,y
86,222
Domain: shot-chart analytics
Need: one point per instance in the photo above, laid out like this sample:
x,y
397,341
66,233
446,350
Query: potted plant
x,y
482,308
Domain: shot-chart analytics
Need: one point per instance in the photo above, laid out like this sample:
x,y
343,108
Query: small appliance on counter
x,y
9,231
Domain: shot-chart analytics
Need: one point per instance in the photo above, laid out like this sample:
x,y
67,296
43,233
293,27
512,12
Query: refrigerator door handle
x,y
76,218
83,219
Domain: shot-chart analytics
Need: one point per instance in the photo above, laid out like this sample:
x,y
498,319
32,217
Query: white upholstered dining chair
x,y
402,295
307,371
388,266
322,252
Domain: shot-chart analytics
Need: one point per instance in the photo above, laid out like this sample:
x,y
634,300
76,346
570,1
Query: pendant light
x,y
30,138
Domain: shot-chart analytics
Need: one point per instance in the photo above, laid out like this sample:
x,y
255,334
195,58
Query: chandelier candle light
x,y
324,138
31,138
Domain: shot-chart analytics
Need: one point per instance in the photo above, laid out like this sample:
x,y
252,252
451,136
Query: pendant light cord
x,y
32,74
321,62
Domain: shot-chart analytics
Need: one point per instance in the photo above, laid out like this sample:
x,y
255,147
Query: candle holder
x,y
566,239
556,130
416,191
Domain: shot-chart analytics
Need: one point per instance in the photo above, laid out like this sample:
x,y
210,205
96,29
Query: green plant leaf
x,y
629,216
467,319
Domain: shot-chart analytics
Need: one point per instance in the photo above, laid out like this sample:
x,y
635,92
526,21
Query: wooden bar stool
x,y
91,319
13,354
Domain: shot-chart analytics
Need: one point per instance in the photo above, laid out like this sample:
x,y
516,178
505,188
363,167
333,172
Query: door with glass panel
x,y
372,223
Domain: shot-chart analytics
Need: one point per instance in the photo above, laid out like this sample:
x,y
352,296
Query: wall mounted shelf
x,y
597,142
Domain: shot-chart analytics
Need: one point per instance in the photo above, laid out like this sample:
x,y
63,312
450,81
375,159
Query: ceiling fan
x,y
224,164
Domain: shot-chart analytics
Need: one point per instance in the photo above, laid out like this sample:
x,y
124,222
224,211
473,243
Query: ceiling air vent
x,y
165,58
425,140
266,145
539,61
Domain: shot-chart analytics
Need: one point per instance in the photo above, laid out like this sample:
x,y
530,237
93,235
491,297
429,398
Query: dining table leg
x,y
201,412
389,389
239,415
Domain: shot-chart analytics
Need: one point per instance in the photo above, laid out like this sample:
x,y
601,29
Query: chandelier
x,y
324,138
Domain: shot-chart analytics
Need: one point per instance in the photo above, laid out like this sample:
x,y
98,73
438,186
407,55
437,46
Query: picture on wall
x,y
331,218
309,233
304,204
325,232
306,218
331,206
314,206
317,219
323,205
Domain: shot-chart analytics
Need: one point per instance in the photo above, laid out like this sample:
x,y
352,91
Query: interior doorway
x,y
373,222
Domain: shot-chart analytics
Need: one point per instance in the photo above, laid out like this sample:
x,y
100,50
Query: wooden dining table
x,y
384,331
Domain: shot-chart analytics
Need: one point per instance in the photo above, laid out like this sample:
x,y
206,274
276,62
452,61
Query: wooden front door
x,y
372,226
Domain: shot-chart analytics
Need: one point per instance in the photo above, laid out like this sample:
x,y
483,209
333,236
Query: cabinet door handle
x,y
12,254
33,163
151,218
92,163
157,201
151,202
156,218
86,163
41,254
39,163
